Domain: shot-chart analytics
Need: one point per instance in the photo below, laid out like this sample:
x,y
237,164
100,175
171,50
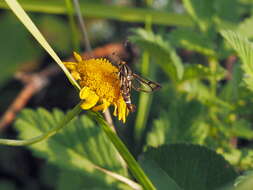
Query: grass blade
x,y
25,19
72,24
120,13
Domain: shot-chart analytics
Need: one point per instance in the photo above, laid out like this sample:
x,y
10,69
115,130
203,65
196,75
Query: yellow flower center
x,y
100,83
100,76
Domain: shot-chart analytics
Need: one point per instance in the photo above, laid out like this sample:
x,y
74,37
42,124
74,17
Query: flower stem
x,y
133,165
72,24
144,99
213,81
69,116
143,104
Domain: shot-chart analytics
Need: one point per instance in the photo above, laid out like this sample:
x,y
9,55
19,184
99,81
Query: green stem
x,y
134,167
69,116
143,104
213,81
144,99
72,24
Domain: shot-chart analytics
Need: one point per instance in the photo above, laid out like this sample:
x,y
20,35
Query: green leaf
x,y
223,10
192,167
7,185
242,128
244,49
64,179
197,89
245,27
49,175
198,71
182,123
65,120
210,15
77,180
192,40
96,10
206,13
16,47
80,147
158,176
200,11
245,181
161,50
246,2
231,91
241,158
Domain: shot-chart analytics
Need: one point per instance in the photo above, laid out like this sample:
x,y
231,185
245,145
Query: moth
x,y
129,80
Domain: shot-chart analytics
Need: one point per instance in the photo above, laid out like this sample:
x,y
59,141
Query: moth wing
x,y
143,85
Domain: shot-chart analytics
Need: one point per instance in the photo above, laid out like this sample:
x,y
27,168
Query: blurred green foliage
x,y
16,47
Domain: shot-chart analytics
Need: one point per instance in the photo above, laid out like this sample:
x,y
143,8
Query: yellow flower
x,y
100,85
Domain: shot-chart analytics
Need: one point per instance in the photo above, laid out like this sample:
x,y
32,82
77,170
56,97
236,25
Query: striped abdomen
x,y
126,77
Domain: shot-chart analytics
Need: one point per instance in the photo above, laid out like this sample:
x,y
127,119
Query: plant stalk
x,y
213,81
69,116
82,26
133,165
72,24
144,99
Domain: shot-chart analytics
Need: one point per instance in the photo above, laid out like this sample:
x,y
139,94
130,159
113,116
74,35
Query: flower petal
x,y
76,75
122,110
90,98
102,107
70,65
77,57
115,109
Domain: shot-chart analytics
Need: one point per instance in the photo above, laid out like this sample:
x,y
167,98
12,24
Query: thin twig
x,y
82,26
121,178
34,83
107,114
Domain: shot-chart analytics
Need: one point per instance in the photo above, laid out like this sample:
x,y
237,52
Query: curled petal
x,y
90,98
102,107
115,109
